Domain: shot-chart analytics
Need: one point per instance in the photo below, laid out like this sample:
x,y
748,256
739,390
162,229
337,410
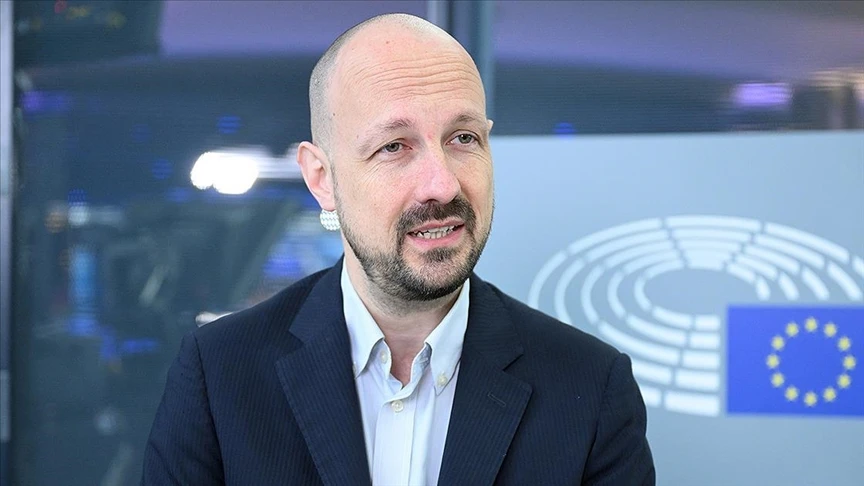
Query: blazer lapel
x,y
489,403
318,381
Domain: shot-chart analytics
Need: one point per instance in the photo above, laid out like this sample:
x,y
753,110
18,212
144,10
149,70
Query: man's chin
x,y
440,279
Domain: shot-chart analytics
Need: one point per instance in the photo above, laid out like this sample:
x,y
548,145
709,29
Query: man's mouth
x,y
435,233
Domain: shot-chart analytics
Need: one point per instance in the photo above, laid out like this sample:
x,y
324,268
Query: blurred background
x,y
148,181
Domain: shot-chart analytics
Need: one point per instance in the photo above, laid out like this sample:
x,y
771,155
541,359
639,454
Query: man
x,y
398,365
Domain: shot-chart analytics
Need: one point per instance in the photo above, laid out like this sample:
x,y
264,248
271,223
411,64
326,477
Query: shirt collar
x,y
445,340
362,328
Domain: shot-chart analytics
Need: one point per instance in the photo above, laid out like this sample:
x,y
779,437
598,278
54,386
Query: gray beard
x,y
392,275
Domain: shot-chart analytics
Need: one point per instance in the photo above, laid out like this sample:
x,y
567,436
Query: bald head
x,y
326,68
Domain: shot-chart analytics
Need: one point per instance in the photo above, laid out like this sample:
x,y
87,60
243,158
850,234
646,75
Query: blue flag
x,y
795,360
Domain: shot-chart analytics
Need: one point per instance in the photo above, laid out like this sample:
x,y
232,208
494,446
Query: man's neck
x,y
405,325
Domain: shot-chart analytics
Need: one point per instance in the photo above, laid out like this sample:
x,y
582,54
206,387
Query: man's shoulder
x,y
539,331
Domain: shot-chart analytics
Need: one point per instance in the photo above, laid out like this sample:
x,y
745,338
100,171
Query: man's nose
x,y
437,179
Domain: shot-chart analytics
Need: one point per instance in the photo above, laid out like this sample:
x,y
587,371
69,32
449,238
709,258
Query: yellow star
x,y
810,399
791,394
777,342
830,329
849,362
829,394
772,361
792,329
777,380
811,325
844,380
844,343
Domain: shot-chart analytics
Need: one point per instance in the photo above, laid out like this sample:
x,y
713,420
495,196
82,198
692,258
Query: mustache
x,y
432,211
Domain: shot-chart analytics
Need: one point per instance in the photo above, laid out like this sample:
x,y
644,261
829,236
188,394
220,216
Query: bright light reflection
x,y
762,95
229,172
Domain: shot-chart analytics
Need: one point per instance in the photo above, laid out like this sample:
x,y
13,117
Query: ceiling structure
x,y
762,40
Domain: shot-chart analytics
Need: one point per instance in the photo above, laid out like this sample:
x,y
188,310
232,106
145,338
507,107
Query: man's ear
x,y
316,172
490,122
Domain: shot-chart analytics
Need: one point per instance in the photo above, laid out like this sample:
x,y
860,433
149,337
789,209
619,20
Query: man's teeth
x,y
436,233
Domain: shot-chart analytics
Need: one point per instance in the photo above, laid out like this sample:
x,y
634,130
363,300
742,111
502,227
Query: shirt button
x,y
384,356
397,405
442,379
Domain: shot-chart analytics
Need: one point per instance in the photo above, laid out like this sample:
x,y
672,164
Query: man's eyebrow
x,y
469,117
382,128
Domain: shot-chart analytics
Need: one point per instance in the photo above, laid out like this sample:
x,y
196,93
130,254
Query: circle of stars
x,y
810,397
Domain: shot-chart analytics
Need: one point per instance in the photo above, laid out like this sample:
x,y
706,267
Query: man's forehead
x,y
456,99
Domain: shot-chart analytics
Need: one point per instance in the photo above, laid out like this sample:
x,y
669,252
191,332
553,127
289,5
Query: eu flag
x,y
795,360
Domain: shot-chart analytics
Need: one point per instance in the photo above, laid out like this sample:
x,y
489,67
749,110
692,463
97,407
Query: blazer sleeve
x,y
620,454
183,448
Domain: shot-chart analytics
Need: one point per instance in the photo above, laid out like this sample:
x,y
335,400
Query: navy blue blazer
x,y
266,396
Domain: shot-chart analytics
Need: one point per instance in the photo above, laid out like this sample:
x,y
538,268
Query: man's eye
x,y
465,138
392,147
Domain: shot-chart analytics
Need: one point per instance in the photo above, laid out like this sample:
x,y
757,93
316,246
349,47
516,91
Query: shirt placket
x,y
394,431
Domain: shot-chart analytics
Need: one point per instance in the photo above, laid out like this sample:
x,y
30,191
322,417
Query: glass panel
x,y
118,254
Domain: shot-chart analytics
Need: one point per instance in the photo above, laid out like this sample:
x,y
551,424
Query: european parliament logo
x,y
794,360
659,289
